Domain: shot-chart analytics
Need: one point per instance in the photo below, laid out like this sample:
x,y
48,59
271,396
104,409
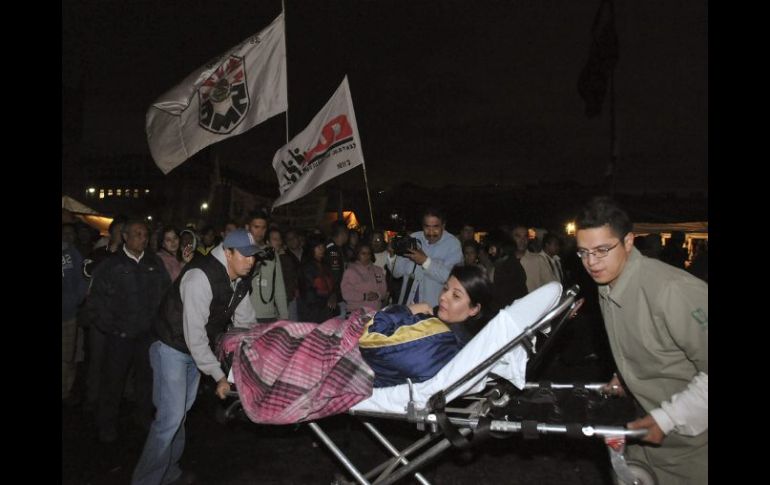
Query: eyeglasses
x,y
597,253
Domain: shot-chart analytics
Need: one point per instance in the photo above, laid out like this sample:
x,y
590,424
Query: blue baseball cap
x,y
241,240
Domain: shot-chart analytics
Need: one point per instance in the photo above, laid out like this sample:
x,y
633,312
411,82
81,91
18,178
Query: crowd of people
x,y
152,303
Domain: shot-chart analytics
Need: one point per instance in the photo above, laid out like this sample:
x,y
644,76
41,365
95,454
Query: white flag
x,y
230,95
328,147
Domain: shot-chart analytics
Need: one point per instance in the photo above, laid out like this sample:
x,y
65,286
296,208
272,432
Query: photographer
x,y
268,292
425,261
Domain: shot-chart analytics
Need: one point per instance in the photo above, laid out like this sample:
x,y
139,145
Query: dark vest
x,y
169,323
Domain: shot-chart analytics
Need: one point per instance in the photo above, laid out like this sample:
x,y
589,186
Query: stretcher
x,y
482,392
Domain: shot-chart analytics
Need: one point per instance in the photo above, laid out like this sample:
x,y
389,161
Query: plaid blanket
x,y
289,372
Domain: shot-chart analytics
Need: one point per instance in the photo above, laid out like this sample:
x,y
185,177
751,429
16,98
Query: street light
x,y
204,206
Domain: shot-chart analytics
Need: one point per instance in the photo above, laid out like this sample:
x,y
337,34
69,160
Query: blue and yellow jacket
x,y
398,345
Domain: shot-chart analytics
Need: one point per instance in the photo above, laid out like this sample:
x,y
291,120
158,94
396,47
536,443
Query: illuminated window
x,y
101,193
146,191
127,192
118,192
136,193
109,192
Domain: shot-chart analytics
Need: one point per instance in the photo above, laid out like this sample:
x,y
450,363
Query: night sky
x,y
444,91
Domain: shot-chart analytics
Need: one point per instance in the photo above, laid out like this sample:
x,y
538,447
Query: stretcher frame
x,y
438,420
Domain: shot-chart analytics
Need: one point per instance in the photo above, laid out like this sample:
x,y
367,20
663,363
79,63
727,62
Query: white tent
x,y
72,209
76,207
686,227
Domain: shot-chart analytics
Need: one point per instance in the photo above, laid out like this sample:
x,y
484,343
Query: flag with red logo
x,y
328,147
228,96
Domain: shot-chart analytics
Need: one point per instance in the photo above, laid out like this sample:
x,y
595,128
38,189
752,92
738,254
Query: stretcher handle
x,y
591,386
586,430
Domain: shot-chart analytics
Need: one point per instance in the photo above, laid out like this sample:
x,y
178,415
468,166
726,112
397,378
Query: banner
x,y
230,95
328,147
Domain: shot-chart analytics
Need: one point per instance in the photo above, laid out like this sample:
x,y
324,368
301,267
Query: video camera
x,y
266,253
403,243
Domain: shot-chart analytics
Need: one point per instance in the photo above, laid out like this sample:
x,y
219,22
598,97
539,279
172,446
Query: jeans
x,y
175,386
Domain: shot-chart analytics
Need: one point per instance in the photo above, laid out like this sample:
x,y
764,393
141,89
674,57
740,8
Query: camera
x,y
266,253
402,244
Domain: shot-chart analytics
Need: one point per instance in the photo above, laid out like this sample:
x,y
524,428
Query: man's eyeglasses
x,y
597,253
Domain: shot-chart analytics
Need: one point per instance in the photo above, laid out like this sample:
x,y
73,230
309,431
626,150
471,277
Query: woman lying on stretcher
x,y
287,372
417,341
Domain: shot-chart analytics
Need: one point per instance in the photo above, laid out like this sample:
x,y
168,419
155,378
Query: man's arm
x,y
196,293
439,266
399,265
244,315
684,310
687,411
99,299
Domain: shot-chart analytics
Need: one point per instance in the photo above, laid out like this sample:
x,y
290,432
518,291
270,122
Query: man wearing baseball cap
x,y
207,296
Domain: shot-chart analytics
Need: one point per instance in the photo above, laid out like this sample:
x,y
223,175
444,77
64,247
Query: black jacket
x,y
169,328
125,295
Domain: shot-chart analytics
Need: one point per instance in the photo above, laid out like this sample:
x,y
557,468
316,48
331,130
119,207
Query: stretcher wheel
x,y
643,474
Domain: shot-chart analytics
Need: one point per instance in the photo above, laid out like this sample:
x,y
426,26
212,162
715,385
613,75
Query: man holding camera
x,y
425,261
268,292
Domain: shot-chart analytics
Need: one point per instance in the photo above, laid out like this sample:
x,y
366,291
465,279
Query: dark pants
x,y
316,311
95,364
119,355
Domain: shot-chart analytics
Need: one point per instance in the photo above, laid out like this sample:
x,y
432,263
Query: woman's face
x,y
318,252
365,255
470,255
454,304
170,242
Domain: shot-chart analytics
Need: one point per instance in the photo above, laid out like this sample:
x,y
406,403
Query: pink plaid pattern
x,y
289,372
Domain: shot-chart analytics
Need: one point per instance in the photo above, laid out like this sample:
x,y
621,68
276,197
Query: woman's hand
x,y
187,253
416,308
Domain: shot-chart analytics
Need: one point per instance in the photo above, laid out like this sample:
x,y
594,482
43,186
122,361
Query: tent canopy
x,y
72,209
652,228
76,207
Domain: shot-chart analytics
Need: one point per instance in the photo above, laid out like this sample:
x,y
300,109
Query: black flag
x,y
602,58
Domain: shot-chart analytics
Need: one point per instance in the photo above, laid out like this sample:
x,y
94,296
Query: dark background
x,y
464,93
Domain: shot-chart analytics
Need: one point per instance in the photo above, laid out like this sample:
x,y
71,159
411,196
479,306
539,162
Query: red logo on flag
x,y
224,97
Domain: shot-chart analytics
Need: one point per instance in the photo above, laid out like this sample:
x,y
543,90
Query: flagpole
x,y
613,121
363,162
286,55
368,197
